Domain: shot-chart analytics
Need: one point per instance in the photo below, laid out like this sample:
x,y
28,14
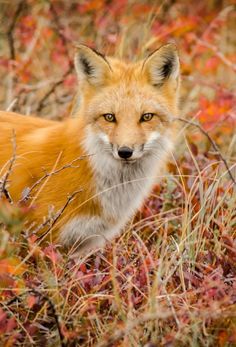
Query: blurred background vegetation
x,y
170,279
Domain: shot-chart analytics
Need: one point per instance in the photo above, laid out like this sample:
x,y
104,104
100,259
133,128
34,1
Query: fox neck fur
x,y
120,188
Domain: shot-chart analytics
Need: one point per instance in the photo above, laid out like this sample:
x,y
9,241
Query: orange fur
x,y
45,146
107,85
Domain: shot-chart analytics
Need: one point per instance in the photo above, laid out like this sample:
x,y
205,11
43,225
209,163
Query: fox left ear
x,y
91,66
162,65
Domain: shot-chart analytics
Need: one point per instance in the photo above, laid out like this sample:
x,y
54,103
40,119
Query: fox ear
x,y
162,65
91,66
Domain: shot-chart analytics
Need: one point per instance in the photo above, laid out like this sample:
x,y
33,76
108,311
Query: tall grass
x,y
169,279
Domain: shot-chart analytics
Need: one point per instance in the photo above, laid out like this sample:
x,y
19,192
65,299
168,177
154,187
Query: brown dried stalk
x,y
70,198
214,145
11,29
60,29
42,102
44,298
219,54
26,193
52,221
4,180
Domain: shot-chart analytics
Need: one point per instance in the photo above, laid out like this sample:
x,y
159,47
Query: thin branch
x,y
26,193
4,180
70,198
52,307
60,29
221,15
7,195
42,102
214,145
113,337
11,29
219,54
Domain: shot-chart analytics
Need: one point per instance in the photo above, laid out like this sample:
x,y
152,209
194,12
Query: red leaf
x,y
31,300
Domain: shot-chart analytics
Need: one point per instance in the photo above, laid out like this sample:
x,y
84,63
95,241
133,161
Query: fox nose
x,y
125,152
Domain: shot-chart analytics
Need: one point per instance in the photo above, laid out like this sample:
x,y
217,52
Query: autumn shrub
x,y
170,278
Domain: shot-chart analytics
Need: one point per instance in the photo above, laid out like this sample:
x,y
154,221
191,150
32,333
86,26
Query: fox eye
x,y
109,117
146,117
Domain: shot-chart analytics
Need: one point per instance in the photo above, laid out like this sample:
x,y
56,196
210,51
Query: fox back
x,y
85,177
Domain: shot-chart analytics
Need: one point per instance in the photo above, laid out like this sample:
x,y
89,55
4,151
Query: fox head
x,y
128,108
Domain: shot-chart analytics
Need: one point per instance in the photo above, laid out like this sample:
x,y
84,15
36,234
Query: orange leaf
x,y
222,338
12,266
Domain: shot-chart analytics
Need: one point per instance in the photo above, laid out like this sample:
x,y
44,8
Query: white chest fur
x,y
121,190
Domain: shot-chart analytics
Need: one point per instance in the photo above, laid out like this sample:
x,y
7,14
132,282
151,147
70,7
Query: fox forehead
x,y
126,71
128,89
123,98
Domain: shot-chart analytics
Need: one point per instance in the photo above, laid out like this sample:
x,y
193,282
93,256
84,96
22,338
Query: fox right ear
x,y
162,65
91,66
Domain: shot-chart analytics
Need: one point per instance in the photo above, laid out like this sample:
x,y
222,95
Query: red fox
x,y
85,177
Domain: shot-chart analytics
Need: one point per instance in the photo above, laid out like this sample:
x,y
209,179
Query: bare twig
x,y
28,191
10,31
53,221
219,54
60,29
120,333
214,145
4,180
58,215
51,305
221,15
206,83
7,195
42,102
